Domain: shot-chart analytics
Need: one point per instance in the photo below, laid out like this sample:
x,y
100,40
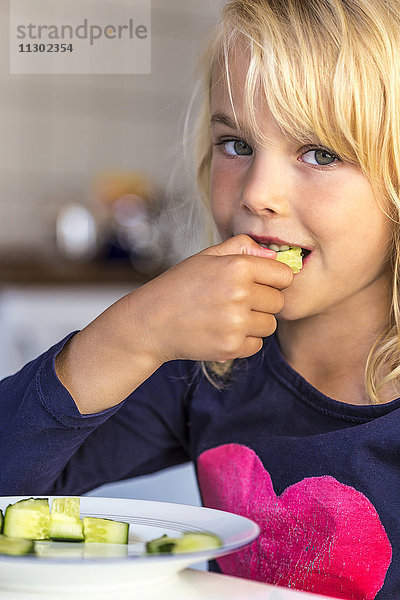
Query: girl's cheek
x,y
222,215
223,198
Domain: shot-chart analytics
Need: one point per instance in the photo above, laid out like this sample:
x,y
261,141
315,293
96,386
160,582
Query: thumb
x,y
239,244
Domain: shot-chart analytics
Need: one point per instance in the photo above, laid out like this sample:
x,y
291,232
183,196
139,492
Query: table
x,y
189,584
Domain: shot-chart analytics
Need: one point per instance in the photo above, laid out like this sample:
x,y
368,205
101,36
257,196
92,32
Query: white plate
x,y
148,520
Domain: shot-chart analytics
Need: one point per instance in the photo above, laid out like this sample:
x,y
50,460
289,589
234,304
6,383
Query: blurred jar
x,y
131,208
76,232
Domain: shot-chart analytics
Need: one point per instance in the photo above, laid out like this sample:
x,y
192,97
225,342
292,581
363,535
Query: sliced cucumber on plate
x,y
105,531
65,522
28,519
29,527
189,542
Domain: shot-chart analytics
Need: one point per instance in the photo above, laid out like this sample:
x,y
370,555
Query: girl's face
x,y
290,194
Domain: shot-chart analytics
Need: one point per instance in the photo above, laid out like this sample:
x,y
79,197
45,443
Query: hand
x,y
216,305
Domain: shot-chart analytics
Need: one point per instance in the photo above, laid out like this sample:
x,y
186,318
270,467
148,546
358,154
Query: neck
x,y
330,350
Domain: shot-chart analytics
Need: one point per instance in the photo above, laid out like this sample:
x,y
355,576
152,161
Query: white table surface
x,y
189,584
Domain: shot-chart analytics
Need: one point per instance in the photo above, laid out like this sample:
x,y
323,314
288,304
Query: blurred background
x,y
95,196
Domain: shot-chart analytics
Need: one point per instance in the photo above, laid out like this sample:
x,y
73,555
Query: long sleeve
x,y
48,446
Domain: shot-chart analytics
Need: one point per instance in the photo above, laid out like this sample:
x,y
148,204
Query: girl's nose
x,y
268,186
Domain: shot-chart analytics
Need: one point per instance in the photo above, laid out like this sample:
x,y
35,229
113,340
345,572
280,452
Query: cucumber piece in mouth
x,y
292,258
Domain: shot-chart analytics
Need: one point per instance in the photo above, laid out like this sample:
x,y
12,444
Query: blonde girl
x,y
331,73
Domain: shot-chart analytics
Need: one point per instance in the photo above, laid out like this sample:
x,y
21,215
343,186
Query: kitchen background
x,y
95,196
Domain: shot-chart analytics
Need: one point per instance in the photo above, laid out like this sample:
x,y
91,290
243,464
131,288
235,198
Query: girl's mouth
x,y
282,247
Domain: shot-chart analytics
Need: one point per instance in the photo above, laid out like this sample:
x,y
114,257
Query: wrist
x,y
147,322
105,362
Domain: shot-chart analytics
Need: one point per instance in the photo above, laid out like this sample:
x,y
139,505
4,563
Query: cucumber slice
x,y
161,545
66,529
15,546
195,542
189,542
105,531
292,258
65,523
28,519
66,506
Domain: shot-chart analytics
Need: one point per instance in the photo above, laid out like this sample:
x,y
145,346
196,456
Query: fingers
x,y
251,346
240,244
242,254
266,299
261,325
262,271
244,336
271,273
220,303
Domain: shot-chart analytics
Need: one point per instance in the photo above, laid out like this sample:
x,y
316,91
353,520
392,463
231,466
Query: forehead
x,y
227,92
228,80
240,90
254,119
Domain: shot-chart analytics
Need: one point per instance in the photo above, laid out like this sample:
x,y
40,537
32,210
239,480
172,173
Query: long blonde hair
x,y
329,69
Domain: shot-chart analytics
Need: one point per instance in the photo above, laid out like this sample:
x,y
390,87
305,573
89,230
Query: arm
x,y
216,305
47,446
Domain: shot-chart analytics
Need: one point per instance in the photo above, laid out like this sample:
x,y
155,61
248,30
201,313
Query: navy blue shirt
x,y
321,477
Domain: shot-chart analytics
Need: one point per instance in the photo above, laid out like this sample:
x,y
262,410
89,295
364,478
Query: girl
x,y
298,428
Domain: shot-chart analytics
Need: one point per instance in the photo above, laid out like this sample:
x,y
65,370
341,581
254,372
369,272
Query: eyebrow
x,y
220,118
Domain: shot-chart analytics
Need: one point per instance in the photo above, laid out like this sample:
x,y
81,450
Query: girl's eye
x,y
319,157
235,147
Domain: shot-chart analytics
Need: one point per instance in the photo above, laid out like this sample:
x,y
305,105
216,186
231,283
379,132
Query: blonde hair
x,y
330,70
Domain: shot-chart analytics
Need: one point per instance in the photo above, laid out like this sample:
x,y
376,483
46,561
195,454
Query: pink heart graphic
x,y
318,536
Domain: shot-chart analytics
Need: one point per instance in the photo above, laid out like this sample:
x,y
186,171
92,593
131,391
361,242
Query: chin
x,y
291,312
286,316
298,304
